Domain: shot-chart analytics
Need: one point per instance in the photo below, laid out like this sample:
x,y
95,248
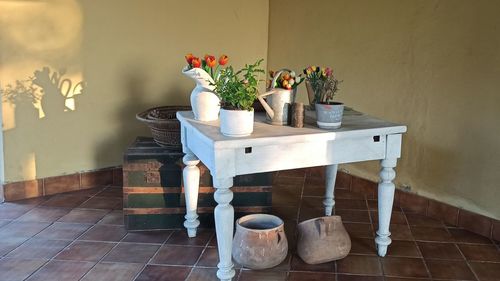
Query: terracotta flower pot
x,y
260,241
322,240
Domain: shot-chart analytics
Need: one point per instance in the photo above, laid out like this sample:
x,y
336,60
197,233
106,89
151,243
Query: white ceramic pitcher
x,y
278,103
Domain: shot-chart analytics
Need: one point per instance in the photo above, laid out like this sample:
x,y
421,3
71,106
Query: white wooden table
x,y
273,148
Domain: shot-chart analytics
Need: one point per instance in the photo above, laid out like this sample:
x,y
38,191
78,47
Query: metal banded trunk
x,y
153,194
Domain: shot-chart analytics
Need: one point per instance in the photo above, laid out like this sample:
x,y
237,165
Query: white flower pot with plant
x,y
324,86
204,102
237,92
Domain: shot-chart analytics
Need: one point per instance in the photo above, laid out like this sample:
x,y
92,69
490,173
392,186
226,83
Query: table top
x,y
354,124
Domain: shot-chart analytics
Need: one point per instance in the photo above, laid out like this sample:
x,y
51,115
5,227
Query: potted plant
x,y
280,96
205,72
237,91
322,85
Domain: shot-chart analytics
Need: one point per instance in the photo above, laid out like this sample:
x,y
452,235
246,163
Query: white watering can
x,y
278,103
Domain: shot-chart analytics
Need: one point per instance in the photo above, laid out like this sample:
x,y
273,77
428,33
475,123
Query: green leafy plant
x,y
238,90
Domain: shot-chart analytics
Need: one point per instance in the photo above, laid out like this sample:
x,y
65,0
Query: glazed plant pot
x,y
205,103
329,116
322,240
236,123
260,241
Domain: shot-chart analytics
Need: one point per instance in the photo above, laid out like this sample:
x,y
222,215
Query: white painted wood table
x,y
273,148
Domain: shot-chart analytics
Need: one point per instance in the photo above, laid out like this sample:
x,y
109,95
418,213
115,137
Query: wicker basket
x,y
163,124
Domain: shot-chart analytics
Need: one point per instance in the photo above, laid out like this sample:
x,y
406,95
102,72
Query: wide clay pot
x,y
260,241
205,103
236,123
322,240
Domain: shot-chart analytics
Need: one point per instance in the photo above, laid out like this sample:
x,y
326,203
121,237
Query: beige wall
x,y
433,65
128,52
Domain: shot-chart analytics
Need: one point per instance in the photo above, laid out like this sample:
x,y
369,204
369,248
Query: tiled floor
x,y
80,236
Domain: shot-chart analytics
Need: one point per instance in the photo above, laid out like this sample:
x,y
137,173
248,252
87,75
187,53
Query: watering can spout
x,y
266,106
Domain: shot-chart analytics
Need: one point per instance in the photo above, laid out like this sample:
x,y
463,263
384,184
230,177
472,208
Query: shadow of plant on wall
x,y
47,92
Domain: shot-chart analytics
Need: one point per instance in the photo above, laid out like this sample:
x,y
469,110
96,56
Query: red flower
x,y
210,60
223,60
195,62
189,58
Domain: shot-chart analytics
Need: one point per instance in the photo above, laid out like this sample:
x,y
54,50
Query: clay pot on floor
x,y
322,240
260,241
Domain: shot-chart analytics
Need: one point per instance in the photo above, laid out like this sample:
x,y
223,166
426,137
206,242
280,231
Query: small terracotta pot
x,y
322,240
260,241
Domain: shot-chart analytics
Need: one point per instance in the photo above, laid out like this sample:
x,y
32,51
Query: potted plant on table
x,y
321,87
205,72
237,91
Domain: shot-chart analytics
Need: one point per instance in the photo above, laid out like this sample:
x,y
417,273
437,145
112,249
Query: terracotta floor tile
x,y
38,249
114,217
347,204
424,233
346,194
116,192
132,253
310,213
404,267
355,264
464,236
298,173
87,191
64,231
373,206
84,216
343,277
288,182
177,255
85,251
253,275
455,270
22,229
18,269
311,202
210,258
297,264
396,217
10,211
104,233
404,249
448,251
480,252
362,216
285,212
364,246
154,237
44,214
33,202
405,279
421,220
204,274
361,230
179,237
106,271
311,276
65,201
486,271
399,232
10,243
163,273
62,270
102,203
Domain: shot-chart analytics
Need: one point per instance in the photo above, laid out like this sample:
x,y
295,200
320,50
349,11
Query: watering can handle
x,y
271,91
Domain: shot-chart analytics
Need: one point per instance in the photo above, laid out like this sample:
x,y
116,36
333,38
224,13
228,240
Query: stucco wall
x,y
129,53
433,65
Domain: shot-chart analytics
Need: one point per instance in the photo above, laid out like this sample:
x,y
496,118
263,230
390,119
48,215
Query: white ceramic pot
x,y
329,116
236,123
205,103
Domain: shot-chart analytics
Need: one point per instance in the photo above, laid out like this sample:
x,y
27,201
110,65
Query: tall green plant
x,y
238,90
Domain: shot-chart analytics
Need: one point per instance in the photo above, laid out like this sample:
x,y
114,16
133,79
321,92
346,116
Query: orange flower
x,y
195,62
223,60
210,60
189,58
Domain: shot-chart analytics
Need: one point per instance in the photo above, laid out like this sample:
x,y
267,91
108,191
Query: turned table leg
x,y
331,175
191,177
224,226
385,200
